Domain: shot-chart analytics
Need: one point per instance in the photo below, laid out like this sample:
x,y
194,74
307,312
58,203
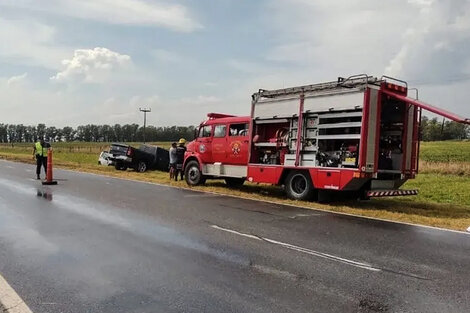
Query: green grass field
x,y
443,183
445,151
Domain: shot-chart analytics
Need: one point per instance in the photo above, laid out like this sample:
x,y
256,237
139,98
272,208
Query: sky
x,y
74,62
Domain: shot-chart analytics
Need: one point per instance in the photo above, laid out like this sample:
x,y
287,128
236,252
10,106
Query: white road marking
x,y
236,232
10,301
303,250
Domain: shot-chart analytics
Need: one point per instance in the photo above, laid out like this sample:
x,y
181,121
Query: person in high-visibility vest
x,y
40,153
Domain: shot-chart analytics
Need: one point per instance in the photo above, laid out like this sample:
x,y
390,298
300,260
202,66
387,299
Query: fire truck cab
x,y
357,134
220,150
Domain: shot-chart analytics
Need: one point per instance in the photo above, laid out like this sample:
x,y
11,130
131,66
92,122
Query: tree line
x,y
12,133
431,130
435,130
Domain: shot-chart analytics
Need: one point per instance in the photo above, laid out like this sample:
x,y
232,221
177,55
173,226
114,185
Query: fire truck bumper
x,y
391,193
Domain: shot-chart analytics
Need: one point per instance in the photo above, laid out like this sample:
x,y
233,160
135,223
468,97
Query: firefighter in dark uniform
x,y
180,150
40,153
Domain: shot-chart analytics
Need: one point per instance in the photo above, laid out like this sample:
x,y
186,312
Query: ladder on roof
x,y
350,82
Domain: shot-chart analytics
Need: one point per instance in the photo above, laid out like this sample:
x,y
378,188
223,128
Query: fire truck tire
x,y
234,182
193,174
299,186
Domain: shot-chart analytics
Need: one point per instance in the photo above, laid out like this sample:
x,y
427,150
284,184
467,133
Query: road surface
x,y
100,244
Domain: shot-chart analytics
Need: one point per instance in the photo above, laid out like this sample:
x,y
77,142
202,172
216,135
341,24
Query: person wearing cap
x,y
180,151
173,160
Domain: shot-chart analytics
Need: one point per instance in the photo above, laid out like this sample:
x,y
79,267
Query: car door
x,y
204,144
219,143
237,144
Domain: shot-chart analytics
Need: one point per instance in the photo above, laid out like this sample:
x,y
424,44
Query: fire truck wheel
x,y
193,174
299,186
234,182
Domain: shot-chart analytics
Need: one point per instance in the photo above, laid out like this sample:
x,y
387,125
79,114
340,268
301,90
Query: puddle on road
x,y
104,214
44,194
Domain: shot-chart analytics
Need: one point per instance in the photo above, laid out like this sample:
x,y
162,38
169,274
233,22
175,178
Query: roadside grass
x,y
443,183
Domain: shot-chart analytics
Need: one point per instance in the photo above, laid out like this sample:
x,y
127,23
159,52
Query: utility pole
x,y
145,110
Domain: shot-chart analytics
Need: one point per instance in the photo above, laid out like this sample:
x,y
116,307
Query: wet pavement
x,y
100,244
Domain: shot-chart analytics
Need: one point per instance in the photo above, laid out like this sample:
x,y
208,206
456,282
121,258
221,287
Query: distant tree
x,y
3,133
40,131
30,134
68,133
11,133
51,134
117,130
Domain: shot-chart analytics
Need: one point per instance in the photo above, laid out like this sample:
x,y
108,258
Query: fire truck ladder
x,y
350,82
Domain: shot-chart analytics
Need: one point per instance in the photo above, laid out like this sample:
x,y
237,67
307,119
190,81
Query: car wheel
x,y
193,174
299,186
234,182
141,167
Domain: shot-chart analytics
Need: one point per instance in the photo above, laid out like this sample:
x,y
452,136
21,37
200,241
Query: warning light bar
x,y
395,87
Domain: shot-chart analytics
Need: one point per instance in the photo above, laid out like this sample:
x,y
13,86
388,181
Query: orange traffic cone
x,y
49,180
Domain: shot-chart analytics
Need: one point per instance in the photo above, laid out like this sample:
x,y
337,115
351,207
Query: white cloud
x,y
336,38
91,65
29,43
436,46
128,12
166,56
418,40
421,41
16,79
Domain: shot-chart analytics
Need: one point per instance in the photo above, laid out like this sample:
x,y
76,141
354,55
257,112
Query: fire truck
x,y
358,134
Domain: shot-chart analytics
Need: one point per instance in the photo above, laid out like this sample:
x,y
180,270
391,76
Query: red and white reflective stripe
x,y
391,193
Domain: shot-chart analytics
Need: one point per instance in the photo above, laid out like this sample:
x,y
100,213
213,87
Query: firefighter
x,y
40,153
180,150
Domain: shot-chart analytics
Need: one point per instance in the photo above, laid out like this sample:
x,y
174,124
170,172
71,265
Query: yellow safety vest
x,y
39,149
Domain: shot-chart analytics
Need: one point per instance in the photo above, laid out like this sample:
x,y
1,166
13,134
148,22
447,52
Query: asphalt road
x,y
99,244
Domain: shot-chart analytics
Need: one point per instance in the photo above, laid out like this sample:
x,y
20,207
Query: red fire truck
x,y
358,134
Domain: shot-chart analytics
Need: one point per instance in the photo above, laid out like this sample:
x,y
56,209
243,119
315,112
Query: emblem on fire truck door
x,y
236,147
202,148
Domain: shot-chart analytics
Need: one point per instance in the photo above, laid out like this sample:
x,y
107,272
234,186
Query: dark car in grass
x,y
146,157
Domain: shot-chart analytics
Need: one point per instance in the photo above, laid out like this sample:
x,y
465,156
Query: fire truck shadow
x,y
399,205
337,201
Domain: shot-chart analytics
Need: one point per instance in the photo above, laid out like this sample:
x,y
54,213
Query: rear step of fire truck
x,y
390,193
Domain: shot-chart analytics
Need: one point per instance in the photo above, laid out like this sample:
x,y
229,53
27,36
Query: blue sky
x,y
71,62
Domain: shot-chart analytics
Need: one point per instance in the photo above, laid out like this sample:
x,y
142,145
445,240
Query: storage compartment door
x,y
409,141
328,179
370,132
